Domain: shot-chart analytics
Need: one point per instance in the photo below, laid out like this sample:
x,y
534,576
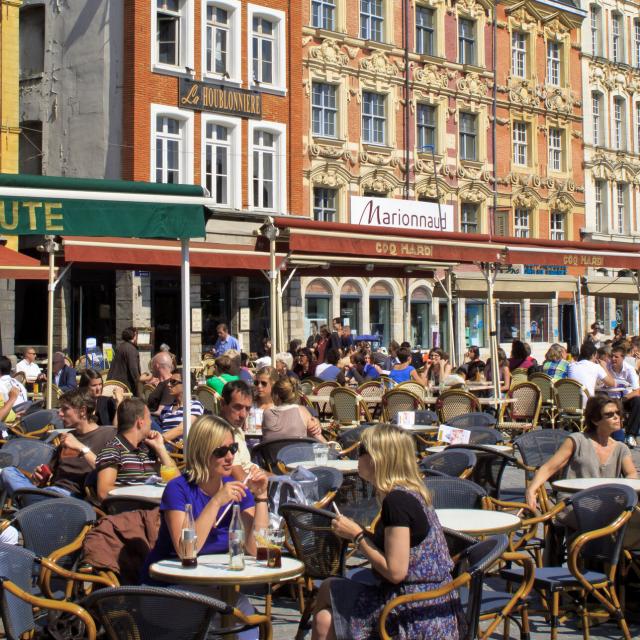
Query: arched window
x,y
350,303
380,308
317,306
420,309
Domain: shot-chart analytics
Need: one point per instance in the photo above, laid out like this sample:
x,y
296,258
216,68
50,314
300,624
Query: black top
x,y
401,509
105,410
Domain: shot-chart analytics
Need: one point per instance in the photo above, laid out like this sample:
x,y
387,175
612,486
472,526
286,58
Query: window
x,y
168,30
519,54
267,165
636,41
555,149
373,118
32,41
557,226
466,41
267,59
469,218
468,136
169,151
30,147
521,223
617,52
600,207
553,62
218,23
371,20
596,103
323,109
539,322
217,162
618,124
595,30
620,206
427,128
323,14
638,127
425,34
262,40
520,143
324,204
509,321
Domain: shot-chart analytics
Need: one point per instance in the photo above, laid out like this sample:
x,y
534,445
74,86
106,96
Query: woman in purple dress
x,y
407,551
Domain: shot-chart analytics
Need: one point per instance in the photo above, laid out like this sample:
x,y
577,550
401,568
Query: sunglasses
x,y
362,450
172,382
610,414
221,452
261,383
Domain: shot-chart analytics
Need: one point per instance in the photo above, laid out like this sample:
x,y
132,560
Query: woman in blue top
x,y
404,371
208,486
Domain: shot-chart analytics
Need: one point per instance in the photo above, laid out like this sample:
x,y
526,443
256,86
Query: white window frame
x,y
557,225
234,44
335,209
521,222
636,41
519,54
279,130
621,203
186,136
555,149
326,109
600,205
637,113
467,40
554,63
278,18
425,32
370,17
619,133
617,37
596,108
472,135
185,44
376,117
464,222
423,126
234,180
520,144
595,26
324,7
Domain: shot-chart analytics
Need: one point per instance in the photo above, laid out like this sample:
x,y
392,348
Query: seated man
x,y
75,458
64,376
135,454
7,382
626,377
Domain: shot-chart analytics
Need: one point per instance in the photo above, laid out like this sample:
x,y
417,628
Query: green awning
x,y
45,205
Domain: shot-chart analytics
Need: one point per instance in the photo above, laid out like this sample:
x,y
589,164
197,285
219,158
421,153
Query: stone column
x,y
7,315
239,308
133,307
196,337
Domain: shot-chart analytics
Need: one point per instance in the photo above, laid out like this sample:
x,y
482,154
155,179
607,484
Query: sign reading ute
x,y
404,214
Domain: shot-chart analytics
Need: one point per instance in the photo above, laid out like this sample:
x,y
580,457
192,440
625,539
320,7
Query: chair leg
x,y
585,618
619,613
555,608
525,632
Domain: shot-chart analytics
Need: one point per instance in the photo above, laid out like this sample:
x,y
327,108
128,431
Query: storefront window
x,y
443,337
623,313
215,296
474,324
539,322
350,300
602,313
259,313
380,299
509,321
317,306
420,318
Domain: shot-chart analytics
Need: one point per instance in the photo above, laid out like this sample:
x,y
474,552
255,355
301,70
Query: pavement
x,y
286,614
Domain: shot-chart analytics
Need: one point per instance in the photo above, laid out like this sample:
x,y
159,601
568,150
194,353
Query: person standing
x,y
225,341
125,367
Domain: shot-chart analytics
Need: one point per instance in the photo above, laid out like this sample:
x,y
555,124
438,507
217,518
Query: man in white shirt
x,y
588,371
625,376
6,382
28,365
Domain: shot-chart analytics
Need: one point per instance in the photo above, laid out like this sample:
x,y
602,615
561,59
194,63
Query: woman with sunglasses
x,y
592,453
407,551
171,416
305,365
263,383
207,485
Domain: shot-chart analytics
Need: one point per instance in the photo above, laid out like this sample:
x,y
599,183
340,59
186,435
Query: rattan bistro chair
x,y
472,420
455,493
399,400
521,415
347,406
415,388
209,398
570,397
457,464
456,402
111,385
544,382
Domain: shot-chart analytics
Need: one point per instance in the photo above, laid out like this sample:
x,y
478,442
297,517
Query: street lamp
x,y
269,231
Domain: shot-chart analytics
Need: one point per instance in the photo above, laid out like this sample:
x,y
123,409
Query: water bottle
x,y
236,541
188,538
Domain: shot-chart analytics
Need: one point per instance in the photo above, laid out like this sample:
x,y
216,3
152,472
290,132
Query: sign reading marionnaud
x,y
201,96
404,214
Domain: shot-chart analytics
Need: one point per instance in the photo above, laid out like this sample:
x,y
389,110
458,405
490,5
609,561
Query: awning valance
x,y
611,287
17,266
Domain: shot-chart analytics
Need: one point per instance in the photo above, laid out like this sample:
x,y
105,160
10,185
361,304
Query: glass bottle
x,y
236,541
188,538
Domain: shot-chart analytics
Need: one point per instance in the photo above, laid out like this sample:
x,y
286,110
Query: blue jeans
x,y
12,479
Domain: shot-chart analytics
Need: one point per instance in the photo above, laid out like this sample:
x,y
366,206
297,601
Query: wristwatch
x,y
84,451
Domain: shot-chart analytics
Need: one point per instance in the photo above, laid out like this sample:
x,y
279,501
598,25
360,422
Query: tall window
x,y
469,218
217,161
217,39
518,54
168,30
521,223
618,123
264,163
638,126
557,226
594,19
520,143
168,150
600,207
425,34
373,118
468,136
466,41
262,44
616,38
323,14
371,20
427,128
636,41
553,62
324,204
555,149
620,206
596,104
324,110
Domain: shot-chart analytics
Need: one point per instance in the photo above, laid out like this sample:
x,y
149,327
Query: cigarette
x,y
224,513
335,508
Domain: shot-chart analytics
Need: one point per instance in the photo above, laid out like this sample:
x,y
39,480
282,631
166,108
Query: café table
x,y
501,448
419,428
478,522
367,399
147,491
571,485
494,401
346,466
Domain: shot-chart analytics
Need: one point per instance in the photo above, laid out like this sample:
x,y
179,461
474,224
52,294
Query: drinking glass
x,y
320,454
168,472
262,545
274,550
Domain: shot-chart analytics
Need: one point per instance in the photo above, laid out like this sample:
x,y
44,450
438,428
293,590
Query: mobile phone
x,y
45,472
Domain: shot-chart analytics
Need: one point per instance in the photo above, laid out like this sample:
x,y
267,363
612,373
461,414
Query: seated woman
x,y
105,413
404,371
288,419
171,416
407,551
361,370
263,383
503,369
521,356
554,364
438,366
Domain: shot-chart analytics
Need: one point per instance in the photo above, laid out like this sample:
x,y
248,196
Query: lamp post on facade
x,y
269,231
635,278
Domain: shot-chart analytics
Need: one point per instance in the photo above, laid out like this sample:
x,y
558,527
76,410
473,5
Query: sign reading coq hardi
x,y
201,96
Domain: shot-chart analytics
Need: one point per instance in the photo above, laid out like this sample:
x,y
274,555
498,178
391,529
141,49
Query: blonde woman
x,y
407,551
208,487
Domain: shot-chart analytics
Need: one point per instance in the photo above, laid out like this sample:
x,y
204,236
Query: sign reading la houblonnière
x,y
219,98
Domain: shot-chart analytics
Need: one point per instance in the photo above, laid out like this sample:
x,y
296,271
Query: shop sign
x,y
544,270
408,249
582,260
219,98
401,214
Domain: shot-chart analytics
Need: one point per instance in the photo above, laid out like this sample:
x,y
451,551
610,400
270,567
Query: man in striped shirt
x,y
135,454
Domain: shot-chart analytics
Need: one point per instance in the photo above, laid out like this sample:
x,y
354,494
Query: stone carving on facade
x,y
471,7
472,194
522,19
556,30
378,64
559,100
432,75
427,190
306,40
472,84
524,200
378,183
536,181
329,52
331,152
561,203
377,159
523,92
329,177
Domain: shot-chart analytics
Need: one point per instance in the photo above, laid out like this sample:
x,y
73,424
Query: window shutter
x,y
501,224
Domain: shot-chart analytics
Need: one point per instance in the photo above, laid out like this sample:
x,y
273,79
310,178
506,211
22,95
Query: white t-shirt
x,y
587,373
30,369
6,382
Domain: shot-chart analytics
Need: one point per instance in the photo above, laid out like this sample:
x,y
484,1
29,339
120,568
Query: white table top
x,y
148,491
325,398
491,401
578,484
419,428
477,521
502,448
346,466
213,569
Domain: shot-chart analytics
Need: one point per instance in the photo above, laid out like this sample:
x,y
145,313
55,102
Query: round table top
x,y
496,400
346,466
418,428
477,521
578,484
502,448
148,491
214,569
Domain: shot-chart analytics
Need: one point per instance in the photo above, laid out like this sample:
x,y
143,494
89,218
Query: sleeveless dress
x,y
357,606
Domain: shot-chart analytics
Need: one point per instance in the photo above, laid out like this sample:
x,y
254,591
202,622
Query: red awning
x,y
17,266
